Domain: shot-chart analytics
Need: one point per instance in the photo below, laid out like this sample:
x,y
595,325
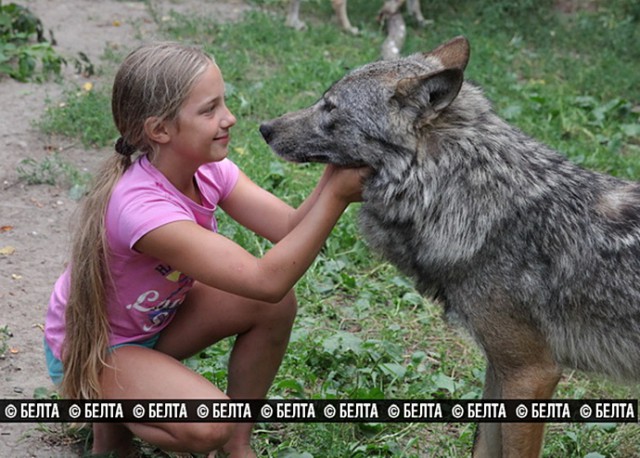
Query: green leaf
x,y
444,382
394,369
604,426
292,453
342,341
41,393
631,130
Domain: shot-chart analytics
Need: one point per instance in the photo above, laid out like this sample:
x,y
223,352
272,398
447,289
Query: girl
x,y
151,282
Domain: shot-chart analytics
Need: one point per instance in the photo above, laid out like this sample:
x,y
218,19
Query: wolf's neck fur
x,y
458,189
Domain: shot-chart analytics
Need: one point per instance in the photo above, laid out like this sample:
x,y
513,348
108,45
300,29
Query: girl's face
x,y
201,130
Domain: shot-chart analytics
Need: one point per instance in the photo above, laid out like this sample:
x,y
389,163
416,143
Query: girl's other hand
x,y
347,183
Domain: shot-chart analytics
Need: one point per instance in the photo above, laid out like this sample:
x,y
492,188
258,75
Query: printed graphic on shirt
x,y
174,276
159,309
163,269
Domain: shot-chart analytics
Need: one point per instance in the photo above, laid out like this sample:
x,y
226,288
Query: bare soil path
x,y
34,219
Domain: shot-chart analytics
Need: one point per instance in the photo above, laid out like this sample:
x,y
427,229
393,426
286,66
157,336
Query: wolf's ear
x,y
452,54
430,94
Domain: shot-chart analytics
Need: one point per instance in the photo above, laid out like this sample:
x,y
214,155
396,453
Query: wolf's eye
x,y
328,106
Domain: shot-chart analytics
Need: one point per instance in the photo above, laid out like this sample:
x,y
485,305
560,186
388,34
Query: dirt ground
x,y
34,219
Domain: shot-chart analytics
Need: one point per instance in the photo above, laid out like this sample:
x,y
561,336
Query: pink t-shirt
x,y
145,292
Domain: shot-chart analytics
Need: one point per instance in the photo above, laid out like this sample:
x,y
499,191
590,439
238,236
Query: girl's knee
x,y
277,319
290,306
280,313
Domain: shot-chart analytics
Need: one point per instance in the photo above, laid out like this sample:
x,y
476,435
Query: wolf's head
x,y
375,111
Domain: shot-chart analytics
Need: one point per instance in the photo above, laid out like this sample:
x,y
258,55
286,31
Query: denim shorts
x,y
56,370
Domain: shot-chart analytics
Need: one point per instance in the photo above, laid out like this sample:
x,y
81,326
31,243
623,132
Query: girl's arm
x,y
219,262
265,214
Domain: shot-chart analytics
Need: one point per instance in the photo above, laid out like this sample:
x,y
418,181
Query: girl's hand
x,y
346,183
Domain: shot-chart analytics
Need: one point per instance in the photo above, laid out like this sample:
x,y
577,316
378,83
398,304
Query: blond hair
x,y
152,82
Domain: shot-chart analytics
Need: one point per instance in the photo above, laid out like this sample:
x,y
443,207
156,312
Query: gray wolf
x,y
538,258
340,8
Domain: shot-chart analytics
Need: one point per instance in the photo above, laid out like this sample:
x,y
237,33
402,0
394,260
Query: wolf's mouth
x,y
301,159
320,159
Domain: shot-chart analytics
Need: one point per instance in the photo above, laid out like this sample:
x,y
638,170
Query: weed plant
x,y
5,334
25,53
569,80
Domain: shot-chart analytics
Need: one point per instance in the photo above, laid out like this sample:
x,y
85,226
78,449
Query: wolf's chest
x,y
397,240
426,239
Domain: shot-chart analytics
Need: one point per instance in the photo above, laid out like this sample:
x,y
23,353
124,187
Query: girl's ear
x,y
156,130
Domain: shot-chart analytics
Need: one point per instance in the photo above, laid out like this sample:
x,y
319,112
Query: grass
x,y
570,81
5,335
54,170
84,114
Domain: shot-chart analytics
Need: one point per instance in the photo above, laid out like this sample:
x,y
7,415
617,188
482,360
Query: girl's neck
x,y
181,175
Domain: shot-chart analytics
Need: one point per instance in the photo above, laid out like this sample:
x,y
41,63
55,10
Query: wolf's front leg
x,y
488,439
520,366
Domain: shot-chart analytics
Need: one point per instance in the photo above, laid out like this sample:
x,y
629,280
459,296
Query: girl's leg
x,y
113,437
135,372
262,329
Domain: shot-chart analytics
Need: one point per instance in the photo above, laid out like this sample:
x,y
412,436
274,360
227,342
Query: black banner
x,y
338,411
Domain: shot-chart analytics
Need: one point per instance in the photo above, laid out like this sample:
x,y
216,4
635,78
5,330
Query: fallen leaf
x,y
16,276
39,326
6,228
116,23
87,86
7,250
13,351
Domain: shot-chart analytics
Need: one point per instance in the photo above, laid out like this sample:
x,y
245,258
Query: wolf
x,y
536,257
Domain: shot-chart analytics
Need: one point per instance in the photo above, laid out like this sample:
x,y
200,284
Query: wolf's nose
x,y
267,131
